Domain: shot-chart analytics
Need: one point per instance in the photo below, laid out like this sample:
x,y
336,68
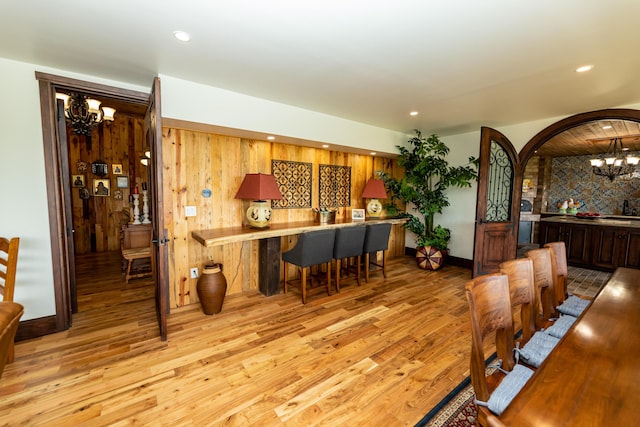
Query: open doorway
x,y
503,232
59,168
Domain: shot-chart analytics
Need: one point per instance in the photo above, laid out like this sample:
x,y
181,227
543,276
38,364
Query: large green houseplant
x,y
427,176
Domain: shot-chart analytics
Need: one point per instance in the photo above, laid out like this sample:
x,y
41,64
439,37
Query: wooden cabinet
x,y
616,247
595,245
576,237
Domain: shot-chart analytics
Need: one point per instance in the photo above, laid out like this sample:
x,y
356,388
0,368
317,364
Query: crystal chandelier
x,y
610,165
84,113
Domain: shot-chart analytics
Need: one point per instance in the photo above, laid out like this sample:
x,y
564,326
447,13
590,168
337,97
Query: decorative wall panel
x,y
571,177
500,185
335,186
294,180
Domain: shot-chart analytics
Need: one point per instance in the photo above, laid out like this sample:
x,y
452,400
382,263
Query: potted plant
x,y
427,176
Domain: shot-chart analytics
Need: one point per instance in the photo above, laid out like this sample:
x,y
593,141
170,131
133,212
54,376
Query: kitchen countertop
x,y
605,220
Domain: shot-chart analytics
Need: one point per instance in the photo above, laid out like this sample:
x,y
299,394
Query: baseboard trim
x,y
34,328
451,260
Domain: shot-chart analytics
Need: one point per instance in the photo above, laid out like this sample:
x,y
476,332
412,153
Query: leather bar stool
x,y
312,248
376,239
348,243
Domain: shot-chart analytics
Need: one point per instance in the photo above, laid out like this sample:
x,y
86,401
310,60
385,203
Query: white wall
x,y
185,100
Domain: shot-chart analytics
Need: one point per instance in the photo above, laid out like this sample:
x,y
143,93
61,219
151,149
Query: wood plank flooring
x,y
383,353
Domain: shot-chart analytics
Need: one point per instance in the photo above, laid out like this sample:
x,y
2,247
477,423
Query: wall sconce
x,y
259,188
374,190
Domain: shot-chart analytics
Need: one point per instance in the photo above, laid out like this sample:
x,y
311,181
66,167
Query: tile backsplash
x,y
572,177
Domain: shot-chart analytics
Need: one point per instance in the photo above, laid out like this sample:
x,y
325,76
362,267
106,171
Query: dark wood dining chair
x,y
564,303
543,275
312,248
522,293
348,244
534,346
8,262
559,260
490,309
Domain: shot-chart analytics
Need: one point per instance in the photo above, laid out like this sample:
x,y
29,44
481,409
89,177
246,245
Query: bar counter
x,y
269,241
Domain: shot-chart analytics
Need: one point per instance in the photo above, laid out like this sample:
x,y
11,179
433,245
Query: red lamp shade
x,y
259,186
374,190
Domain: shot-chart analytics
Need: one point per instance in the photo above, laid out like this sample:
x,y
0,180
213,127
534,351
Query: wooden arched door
x,y
498,202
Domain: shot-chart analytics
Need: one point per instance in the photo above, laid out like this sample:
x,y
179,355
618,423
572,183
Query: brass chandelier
x,y
610,164
84,113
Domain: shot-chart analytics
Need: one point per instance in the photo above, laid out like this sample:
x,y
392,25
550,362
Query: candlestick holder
x,y
136,209
145,207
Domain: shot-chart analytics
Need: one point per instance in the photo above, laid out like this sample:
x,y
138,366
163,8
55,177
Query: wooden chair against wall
x,y
10,313
129,255
490,309
9,262
522,293
543,274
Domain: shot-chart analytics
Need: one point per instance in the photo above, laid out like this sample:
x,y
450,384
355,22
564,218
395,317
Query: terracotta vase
x,y
212,287
430,257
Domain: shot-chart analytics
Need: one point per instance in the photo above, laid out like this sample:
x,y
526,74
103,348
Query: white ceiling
x,y
461,64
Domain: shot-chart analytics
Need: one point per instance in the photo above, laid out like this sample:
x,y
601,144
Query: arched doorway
x,y
496,238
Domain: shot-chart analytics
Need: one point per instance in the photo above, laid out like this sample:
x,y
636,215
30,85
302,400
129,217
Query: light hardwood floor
x,y
382,354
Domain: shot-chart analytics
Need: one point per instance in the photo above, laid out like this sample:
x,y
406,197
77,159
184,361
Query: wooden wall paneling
x,y
194,160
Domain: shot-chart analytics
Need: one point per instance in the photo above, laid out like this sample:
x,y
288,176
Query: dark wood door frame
x,y
61,253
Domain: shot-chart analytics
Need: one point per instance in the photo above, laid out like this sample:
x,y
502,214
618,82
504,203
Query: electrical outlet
x,y
194,273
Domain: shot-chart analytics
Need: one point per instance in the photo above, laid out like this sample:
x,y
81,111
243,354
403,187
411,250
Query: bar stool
x,y
312,248
348,243
376,239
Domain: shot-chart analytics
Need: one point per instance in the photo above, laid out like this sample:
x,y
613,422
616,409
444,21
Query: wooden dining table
x,y
592,377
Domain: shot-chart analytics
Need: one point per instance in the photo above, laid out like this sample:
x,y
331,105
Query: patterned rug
x,y
457,409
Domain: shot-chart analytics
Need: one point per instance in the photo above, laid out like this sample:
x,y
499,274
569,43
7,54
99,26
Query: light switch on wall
x,y
190,211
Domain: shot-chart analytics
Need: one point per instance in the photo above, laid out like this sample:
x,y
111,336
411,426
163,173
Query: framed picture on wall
x,y
116,168
101,187
77,181
122,181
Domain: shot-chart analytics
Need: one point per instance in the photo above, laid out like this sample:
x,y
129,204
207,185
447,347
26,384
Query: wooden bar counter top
x,y
269,243
223,236
592,377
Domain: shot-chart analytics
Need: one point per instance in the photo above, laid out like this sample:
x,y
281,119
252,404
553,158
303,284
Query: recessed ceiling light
x,y
584,68
413,113
373,153
325,145
607,127
182,36
271,137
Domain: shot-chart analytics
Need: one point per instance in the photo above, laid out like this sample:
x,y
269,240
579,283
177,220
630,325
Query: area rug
x,y
457,409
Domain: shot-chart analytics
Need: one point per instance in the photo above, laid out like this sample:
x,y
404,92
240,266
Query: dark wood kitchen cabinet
x,y
576,237
616,247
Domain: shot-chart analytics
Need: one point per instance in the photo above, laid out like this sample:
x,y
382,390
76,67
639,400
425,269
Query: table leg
x,y
269,268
